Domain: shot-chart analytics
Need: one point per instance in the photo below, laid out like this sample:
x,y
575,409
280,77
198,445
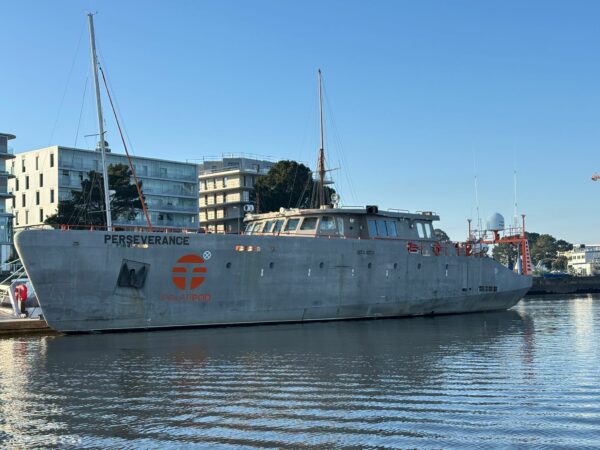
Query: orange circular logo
x,y
188,272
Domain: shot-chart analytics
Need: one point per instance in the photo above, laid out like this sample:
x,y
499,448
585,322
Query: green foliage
x,y
440,235
505,254
288,184
543,249
86,206
560,264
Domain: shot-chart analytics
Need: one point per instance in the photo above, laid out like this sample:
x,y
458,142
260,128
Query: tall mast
x,y
100,120
322,149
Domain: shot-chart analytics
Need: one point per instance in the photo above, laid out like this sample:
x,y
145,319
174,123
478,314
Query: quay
x,y
565,285
10,325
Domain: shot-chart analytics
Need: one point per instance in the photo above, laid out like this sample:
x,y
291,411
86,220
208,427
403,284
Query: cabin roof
x,y
419,215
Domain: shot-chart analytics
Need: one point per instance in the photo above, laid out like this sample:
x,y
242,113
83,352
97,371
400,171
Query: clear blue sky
x,y
424,95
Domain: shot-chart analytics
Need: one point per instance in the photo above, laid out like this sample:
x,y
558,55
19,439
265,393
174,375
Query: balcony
x,y
8,154
174,208
171,193
7,174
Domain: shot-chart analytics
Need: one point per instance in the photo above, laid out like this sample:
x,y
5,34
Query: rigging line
x,y
66,86
137,184
293,184
339,149
81,110
108,84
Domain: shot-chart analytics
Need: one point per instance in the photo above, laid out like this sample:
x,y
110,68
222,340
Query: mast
x,y
322,149
100,120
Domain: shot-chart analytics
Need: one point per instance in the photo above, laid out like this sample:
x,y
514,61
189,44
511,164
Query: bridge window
x,y
278,225
429,230
327,223
250,227
309,223
268,226
291,224
391,228
381,231
372,227
421,229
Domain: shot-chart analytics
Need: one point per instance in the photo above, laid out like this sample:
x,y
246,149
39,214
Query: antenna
x,y
515,211
479,224
322,149
102,143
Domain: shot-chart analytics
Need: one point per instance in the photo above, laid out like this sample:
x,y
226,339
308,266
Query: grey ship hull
x,y
81,279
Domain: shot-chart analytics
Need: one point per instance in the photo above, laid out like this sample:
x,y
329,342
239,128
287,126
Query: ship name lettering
x,y
129,240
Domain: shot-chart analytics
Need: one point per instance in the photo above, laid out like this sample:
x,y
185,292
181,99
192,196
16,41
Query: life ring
x,y
437,249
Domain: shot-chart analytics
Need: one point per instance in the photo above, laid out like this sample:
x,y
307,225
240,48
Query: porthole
x,y
228,265
271,265
419,266
369,265
321,265
395,265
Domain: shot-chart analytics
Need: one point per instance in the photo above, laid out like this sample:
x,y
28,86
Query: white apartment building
x,y
583,260
48,175
225,186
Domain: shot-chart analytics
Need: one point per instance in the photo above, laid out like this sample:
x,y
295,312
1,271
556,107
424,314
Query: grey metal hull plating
x,y
75,275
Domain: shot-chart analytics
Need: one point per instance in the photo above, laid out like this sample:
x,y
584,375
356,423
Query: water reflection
x,y
447,381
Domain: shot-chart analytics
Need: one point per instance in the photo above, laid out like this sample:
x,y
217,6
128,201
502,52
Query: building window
x,y
41,215
51,159
17,218
37,163
23,165
27,182
37,197
41,180
224,181
224,198
16,185
245,181
51,195
26,217
23,201
14,202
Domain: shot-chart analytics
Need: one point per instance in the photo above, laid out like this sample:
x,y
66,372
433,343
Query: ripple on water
x,y
525,378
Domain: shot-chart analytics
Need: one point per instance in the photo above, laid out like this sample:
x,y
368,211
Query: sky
x,y
430,105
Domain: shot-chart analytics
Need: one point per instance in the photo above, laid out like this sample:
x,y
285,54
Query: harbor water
x,y
527,378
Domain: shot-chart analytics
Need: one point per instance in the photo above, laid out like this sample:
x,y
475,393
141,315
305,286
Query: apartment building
x,y
583,260
5,194
225,186
43,177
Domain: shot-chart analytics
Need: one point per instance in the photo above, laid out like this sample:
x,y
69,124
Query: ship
x,y
320,263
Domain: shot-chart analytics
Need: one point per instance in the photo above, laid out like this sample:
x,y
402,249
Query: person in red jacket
x,y
21,296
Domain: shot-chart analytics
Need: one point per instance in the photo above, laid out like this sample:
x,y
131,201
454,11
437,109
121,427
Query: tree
x,y
544,250
560,263
440,235
288,184
505,254
86,206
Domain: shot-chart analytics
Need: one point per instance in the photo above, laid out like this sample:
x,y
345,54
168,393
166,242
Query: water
x,y
529,377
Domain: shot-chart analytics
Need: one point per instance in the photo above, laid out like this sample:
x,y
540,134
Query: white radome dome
x,y
495,222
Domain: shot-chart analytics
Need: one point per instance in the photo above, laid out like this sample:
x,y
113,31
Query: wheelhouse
x,y
366,223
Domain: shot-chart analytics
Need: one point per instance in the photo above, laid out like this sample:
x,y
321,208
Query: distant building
x,y
225,186
583,260
46,176
5,216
